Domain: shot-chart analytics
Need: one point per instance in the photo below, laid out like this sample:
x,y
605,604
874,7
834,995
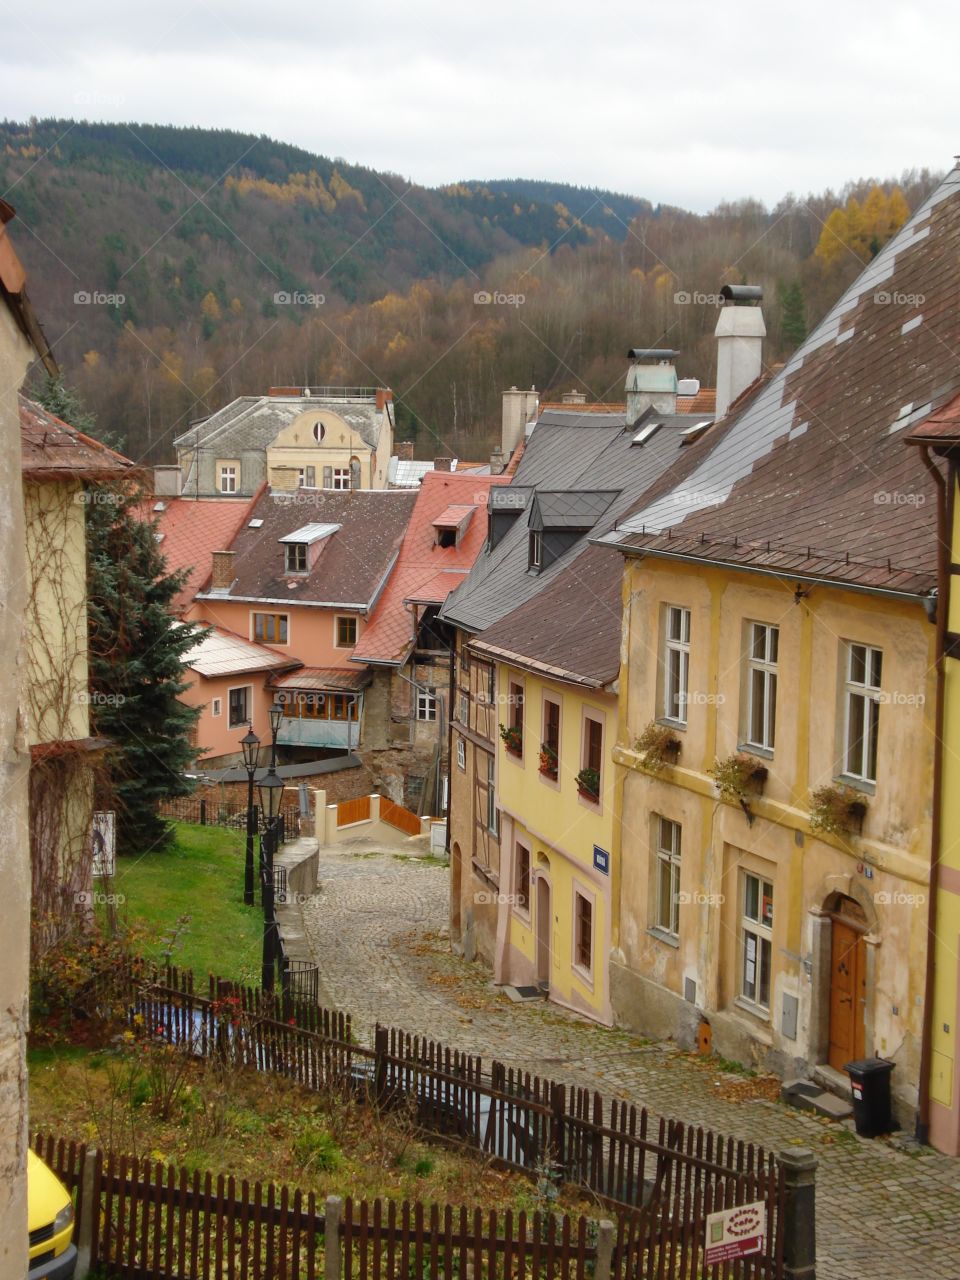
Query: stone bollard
x,y
799,1221
90,1202
606,1234
331,1238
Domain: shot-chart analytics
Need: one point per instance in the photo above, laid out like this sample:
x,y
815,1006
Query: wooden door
x,y
544,930
848,994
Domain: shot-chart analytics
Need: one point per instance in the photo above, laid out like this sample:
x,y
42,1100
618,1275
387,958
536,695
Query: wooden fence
x,y
669,1173
398,817
350,811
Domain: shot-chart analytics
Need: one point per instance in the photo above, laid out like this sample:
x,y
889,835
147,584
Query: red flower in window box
x,y
512,736
548,761
588,784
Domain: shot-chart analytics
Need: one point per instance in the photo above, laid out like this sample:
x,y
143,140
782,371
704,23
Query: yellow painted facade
x,y
556,846
762,896
296,447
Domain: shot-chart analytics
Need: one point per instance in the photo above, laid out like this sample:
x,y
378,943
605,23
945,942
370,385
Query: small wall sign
x,y
601,859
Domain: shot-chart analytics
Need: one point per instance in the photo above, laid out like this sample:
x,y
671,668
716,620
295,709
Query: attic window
x,y
295,557
159,506
451,525
689,434
255,524
446,537
646,433
535,555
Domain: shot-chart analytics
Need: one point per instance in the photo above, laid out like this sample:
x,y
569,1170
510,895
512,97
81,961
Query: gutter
x,y
944,521
214,598
734,566
541,668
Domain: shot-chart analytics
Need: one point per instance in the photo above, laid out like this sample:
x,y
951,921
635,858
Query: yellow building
x,y
778,696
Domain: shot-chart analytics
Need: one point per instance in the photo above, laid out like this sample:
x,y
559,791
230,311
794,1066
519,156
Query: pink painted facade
x,y
311,634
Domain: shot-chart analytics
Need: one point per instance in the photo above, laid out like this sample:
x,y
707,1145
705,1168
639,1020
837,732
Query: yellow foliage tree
x,y
91,359
210,307
862,230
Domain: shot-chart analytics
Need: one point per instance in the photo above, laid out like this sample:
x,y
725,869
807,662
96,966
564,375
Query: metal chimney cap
x,y
737,293
652,353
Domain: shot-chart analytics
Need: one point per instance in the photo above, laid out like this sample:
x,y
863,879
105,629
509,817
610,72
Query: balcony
x,y
308,732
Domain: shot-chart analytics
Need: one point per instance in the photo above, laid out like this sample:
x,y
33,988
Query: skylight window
x,y
693,432
646,433
159,506
255,524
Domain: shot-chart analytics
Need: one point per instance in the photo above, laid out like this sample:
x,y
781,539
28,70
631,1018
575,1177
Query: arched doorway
x,y
456,871
543,932
848,980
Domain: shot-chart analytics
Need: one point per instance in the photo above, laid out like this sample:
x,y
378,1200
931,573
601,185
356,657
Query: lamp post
x,y
250,745
271,794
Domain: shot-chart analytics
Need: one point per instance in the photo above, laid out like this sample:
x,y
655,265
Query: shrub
x,y
657,746
315,1149
738,775
837,809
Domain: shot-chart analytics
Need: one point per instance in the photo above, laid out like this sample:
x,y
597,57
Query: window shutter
x,y
328,477
311,477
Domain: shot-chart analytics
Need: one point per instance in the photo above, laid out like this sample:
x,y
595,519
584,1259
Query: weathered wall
x,y
14,842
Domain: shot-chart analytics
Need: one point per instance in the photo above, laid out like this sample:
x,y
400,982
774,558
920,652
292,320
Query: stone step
x,y
807,1096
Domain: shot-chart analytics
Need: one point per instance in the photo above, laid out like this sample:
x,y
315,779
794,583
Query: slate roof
x,y
352,565
254,422
810,476
426,573
583,453
224,653
192,529
51,449
570,508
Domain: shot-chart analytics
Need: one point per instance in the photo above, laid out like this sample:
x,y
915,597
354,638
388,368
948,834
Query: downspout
x,y
451,695
944,511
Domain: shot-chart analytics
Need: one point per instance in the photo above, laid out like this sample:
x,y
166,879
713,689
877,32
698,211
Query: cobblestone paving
x,y
377,930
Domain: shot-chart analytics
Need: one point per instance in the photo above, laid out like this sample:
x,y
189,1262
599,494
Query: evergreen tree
x,y
55,395
793,320
136,668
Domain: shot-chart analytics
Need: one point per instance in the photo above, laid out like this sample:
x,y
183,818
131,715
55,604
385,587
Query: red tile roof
x,y
941,427
192,529
426,572
322,679
53,450
705,401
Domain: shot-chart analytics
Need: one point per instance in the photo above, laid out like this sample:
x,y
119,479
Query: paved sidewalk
x,y
377,928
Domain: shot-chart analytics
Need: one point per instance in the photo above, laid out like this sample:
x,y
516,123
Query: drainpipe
x,y
944,506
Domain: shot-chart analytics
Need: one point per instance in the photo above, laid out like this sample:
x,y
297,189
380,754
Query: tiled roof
x,y
810,474
224,653
571,629
705,402
352,563
51,449
407,473
941,427
323,679
426,572
192,529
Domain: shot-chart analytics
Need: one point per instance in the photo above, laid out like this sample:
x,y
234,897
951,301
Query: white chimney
x,y
651,382
519,408
167,482
740,333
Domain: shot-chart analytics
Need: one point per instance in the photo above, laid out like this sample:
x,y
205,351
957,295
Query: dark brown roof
x,y
810,474
942,427
53,450
323,679
352,564
571,629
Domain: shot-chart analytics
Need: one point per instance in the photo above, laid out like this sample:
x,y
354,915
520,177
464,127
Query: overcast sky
x,y
688,102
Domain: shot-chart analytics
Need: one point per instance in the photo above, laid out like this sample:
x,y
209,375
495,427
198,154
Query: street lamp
x,y
271,795
250,745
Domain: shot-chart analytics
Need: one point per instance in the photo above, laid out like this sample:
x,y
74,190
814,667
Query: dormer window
x,y
452,523
295,557
535,555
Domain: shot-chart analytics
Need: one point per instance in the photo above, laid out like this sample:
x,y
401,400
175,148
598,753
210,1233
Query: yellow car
x,y
53,1256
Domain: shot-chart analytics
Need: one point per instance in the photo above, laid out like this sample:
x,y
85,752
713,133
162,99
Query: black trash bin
x,y
870,1078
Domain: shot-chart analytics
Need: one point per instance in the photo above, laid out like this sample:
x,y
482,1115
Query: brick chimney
x,y
443,464
384,397
405,450
167,482
740,333
222,576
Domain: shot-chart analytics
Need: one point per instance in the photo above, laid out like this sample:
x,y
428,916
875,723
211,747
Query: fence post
x,y
90,1203
380,1047
605,1238
557,1113
331,1238
799,1218
203,813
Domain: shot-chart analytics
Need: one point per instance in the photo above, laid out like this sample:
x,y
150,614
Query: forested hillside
x,y
177,268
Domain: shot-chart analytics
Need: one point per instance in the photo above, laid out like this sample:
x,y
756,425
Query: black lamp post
x,y
250,745
271,794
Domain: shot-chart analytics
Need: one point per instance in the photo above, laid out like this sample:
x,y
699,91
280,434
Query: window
x,y
762,652
307,477
492,816
461,754
522,878
295,557
593,745
343,706
446,535
228,479
341,477
270,628
756,940
426,704
550,748
676,664
535,555
583,938
239,706
463,714
667,913
862,711
216,707
319,431
464,656
346,633
515,738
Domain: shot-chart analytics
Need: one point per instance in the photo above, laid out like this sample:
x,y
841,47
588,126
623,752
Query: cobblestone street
x,y
377,929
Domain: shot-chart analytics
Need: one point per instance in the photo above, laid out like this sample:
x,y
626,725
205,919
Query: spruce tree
x,y
136,668
793,320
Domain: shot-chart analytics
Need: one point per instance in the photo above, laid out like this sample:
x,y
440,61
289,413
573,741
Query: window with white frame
x,y
864,669
535,557
667,872
676,663
463,714
426,704
763,644
307,477
756,939
228,479
216,707
461,754
239,706
493,823
341,477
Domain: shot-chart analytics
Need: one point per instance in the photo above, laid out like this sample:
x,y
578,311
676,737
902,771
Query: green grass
x,y
199,876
